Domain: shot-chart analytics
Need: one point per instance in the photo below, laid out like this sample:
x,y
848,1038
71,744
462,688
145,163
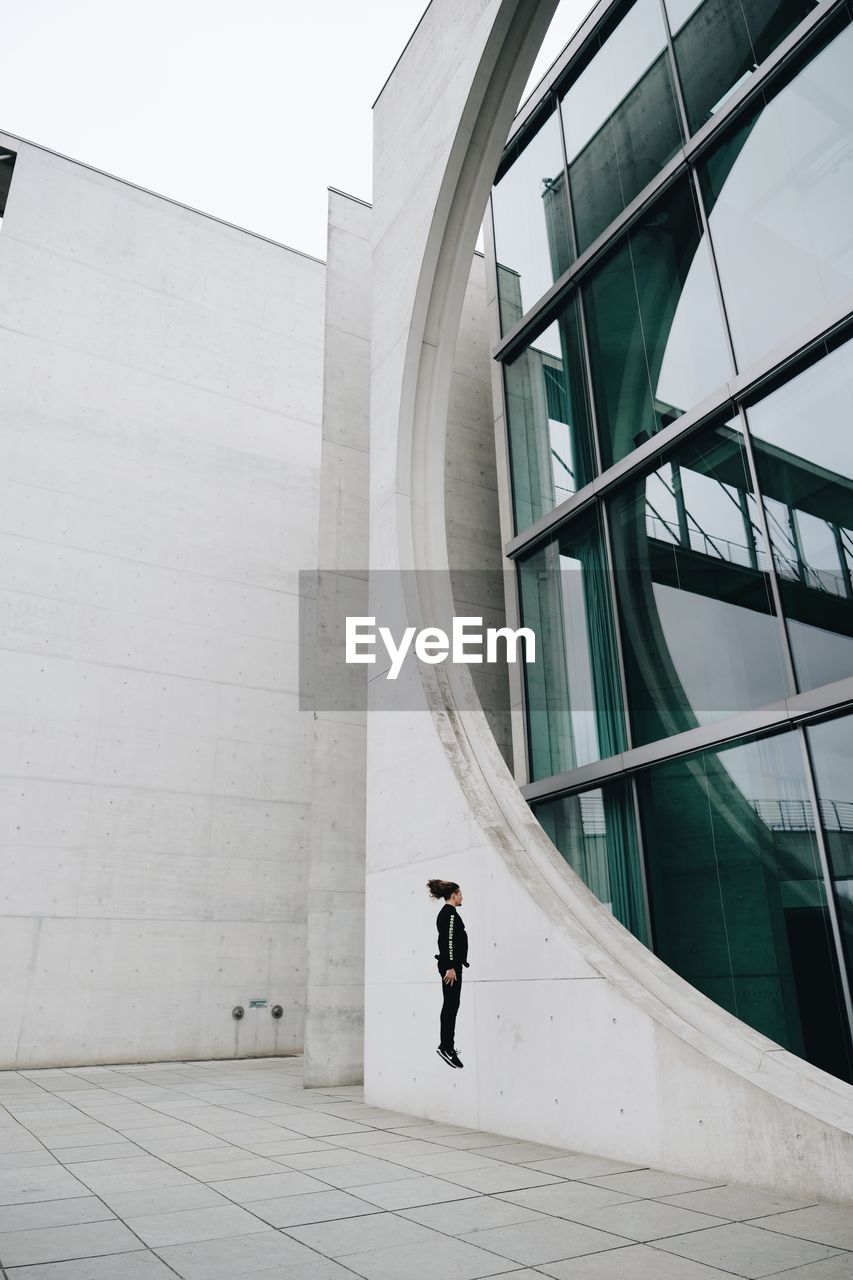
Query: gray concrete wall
x,y
335,1016
159,455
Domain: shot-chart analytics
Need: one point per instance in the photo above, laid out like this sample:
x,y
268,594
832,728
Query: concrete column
x,y
335,996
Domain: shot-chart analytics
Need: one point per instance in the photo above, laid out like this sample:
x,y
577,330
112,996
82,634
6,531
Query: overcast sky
x,y
248,113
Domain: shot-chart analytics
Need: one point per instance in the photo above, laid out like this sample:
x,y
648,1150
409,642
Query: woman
x,y
452,958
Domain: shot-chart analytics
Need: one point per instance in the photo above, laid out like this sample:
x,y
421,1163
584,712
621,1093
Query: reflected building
x,y
671,227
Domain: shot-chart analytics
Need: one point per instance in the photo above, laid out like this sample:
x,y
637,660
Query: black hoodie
x,y
452,941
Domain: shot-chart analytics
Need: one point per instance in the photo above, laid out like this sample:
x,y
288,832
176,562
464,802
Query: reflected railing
x,y
776,815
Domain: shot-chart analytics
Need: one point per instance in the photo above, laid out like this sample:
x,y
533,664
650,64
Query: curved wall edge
x,y
575,1034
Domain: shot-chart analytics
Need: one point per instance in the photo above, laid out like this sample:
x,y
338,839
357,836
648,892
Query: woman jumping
x,y
452,958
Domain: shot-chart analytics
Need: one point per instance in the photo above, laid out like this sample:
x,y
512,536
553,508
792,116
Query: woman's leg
x,y
449,1008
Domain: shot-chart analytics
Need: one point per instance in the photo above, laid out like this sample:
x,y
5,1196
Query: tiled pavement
x,y
229,1170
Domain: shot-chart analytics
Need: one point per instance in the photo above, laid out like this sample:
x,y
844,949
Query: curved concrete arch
x,y
583,1038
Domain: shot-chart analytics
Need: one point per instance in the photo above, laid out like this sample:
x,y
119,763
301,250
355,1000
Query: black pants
x,y
450,993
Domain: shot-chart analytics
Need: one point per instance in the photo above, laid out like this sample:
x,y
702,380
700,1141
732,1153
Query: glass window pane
x,y
699,636
719,43
620,121
656,339
779,194
531,224
831,748
548,420
574,703
595,833
737,896
803,443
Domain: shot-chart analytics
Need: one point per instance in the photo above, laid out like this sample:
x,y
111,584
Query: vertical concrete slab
x,y
335,995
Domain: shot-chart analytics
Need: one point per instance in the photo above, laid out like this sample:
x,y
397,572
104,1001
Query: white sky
x,y
246,113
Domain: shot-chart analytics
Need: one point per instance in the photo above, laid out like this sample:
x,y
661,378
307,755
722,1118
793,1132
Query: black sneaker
x,y
448,1057
455,1060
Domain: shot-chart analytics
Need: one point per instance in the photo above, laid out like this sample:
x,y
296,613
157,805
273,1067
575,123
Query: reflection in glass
x,y
738,900
531,224
619,120
595,833
779,194
719,43
831,747
574,703
548,420
700,638
803,444
656,337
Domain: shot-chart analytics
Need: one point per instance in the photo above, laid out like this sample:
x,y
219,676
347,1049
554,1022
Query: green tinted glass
x,y
548,420
531,224
699,635
596,834
620,120
574,703
656,339
719,43
737,896
806,478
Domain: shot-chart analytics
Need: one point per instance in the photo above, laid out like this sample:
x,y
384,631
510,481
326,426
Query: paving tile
x,y
567,1199
428,1260
367,1138
319,1206
745,1250
139,1204
357,1235
316,1269
53,1213
267,1186
362,1172
407,1193
275,1148
189,1225
645,1220
317,1158
21,1186
582,1166
500,1178
823,1223
468,1139
143,1180
838,1268
177,1146
115,1151
442,1162
525,1152
118,1266
634,1262
432,1131
651,1182
239,1256
736,1203
56,1244
546,1240
466,1216
238,1165
34,1159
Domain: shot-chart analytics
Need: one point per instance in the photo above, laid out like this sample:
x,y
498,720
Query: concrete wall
x,y
474,550
334,1026
574,1034
159,455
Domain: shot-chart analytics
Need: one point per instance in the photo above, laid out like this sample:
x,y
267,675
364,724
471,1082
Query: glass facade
x,y
681,468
